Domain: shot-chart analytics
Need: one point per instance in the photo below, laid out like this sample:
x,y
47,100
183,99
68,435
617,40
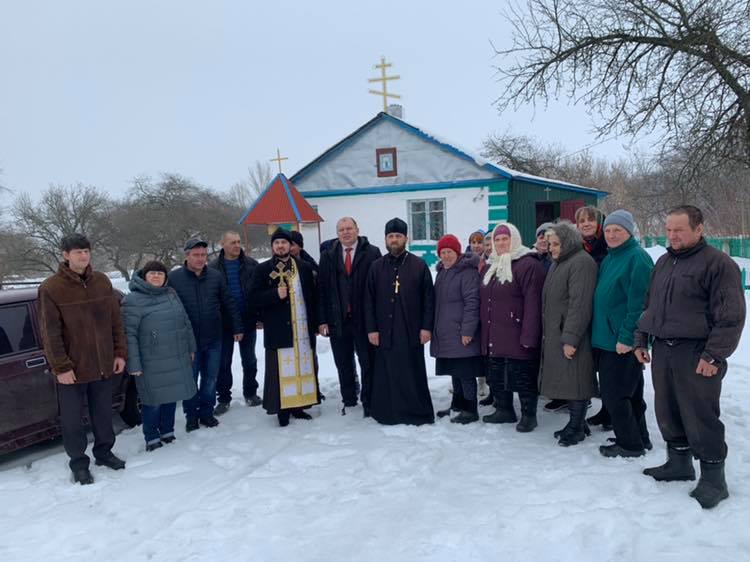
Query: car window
x,y
16,332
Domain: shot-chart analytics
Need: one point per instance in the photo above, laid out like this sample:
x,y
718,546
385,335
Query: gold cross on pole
x,y
280,274
384,79
278,159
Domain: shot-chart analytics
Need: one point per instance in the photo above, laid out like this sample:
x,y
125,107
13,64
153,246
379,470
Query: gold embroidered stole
x,y
297,386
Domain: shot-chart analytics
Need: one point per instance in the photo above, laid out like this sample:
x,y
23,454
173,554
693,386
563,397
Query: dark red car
x,y
29,412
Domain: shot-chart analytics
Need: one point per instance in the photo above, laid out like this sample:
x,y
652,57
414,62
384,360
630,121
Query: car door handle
x,y
36,362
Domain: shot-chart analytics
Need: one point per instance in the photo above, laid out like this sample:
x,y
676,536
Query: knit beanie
x,y
297,238
622,218
451,242
281,234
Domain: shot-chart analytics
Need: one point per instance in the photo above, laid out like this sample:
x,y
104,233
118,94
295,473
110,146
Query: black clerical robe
x,y
289,328
400,302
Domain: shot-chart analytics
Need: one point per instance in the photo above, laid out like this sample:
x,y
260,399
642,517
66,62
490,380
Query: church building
x,y
390,168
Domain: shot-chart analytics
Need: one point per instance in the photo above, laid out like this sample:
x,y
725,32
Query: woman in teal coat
x,y
618,301
161,347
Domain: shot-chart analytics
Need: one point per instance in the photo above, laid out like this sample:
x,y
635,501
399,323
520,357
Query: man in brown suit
x,y
84,342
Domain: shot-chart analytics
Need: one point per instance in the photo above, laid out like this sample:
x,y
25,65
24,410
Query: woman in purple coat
x,y
455,338
511,304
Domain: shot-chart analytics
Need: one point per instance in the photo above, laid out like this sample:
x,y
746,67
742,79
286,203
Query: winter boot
x,y
601,418
575,431
153,445
647,445
300,414
221,408
504,410
679,466
528,412
488,401
615,450
556,405
465,417
712,486
83,476
111,461
586,430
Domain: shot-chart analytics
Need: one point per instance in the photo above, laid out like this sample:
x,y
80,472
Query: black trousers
x,y
344,347
621,386
464,396
686,403
224,380
71,397
512,375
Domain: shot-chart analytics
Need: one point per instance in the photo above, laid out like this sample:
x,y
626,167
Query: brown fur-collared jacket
x,y
81,324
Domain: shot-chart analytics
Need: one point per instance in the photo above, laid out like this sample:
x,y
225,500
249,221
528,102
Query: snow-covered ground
x,y
346,488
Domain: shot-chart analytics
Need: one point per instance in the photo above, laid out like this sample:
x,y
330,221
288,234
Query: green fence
x,y
736,246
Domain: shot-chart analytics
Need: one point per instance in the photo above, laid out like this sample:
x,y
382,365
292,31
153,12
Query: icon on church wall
x,y
386,162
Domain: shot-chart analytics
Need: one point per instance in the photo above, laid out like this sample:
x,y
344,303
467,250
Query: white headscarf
x,y
500,265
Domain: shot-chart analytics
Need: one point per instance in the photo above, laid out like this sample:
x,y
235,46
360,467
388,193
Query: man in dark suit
x,y
342,281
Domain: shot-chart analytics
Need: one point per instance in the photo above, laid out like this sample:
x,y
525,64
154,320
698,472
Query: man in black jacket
x,y
204,294
237,269
342,281
283,291
694,312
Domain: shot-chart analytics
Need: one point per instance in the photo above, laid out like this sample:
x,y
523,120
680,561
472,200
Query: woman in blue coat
x,y
161,347
455,338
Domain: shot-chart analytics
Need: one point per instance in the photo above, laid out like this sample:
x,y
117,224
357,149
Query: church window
x,y
427,219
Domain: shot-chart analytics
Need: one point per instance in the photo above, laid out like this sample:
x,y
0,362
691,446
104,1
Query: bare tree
x,y
62,210
243,193
679,68
158,217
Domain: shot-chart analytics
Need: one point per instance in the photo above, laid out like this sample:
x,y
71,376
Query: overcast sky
x,y
100,92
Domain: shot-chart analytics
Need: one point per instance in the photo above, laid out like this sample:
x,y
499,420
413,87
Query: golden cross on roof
x,y
384,79
278,159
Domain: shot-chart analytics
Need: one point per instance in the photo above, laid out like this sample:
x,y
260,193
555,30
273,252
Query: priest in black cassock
x,y
399,308
283,291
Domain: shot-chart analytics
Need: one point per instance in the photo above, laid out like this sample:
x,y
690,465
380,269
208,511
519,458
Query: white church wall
x,y
465,210
417,161
312,240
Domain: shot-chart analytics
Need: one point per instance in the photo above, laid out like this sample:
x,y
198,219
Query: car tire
x,y
131,411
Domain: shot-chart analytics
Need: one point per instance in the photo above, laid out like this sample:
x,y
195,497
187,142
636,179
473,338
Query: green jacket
x,y
620,293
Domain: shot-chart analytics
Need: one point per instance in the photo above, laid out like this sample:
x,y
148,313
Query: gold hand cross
x,y
280,274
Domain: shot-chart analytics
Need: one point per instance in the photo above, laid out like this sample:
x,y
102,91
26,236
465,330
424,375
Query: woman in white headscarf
x,y
511,298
